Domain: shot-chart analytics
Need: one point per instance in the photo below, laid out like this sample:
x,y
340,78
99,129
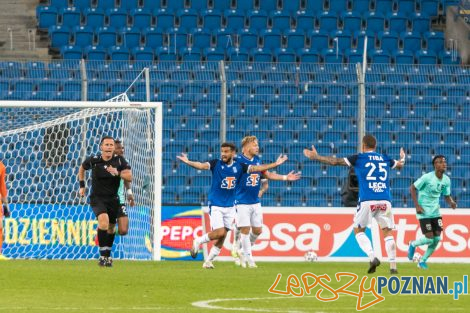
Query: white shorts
x,y
249,215
380,210
221,217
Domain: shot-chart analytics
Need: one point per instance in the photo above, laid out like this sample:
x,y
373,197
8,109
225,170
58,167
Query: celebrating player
x,y
4,209
374,195
107,171
226,173
247,200
430,187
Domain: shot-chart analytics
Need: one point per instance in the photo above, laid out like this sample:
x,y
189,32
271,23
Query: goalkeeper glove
x,y
6,211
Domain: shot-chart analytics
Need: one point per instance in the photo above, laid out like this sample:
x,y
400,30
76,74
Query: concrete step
x,y
42,53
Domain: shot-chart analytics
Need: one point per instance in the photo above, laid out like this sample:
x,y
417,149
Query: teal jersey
x,y
430,188
122,198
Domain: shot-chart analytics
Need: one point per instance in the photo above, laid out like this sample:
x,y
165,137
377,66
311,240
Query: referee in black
x,y
107,171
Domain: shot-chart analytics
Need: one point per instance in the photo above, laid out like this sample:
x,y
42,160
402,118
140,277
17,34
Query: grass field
x,y
81,286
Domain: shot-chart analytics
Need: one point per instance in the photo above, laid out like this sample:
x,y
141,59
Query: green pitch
x,y
81,286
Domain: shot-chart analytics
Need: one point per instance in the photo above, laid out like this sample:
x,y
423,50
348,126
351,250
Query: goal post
x,y
42,145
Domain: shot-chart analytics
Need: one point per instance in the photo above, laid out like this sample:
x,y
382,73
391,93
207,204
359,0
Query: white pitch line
x,y
207,304
121,309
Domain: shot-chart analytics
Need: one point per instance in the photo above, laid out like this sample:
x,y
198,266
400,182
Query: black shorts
x,y
111,206
433,225
122,211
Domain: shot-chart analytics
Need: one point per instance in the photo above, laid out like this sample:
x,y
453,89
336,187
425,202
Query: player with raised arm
x,y
226,174
249,214
4,208
430,187
372,170
107,171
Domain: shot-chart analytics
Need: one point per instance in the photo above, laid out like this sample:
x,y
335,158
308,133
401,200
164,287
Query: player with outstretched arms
x,y
430,187
372,170
248,207
107,171
226,174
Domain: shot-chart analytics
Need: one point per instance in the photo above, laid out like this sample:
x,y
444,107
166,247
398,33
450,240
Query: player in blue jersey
x,y
372,170
426,193
226,173
248,205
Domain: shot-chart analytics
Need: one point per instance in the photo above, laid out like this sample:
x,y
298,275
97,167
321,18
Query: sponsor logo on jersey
x,y
229,183
253,180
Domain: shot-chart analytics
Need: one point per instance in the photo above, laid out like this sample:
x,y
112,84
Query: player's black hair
x,y
117,141
229,145
106,137
439,156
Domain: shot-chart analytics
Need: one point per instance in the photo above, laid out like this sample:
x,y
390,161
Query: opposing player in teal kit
x,y
430,187
372,170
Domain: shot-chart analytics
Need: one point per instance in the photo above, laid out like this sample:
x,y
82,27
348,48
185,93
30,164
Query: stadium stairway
x,y
20,17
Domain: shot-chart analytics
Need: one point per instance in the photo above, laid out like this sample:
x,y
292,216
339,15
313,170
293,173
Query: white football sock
x,y
213,253
246,247
366,245
391,248
253,238
203,239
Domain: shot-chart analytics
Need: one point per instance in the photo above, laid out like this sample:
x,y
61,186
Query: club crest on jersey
x,y
234,169
252,180
229,183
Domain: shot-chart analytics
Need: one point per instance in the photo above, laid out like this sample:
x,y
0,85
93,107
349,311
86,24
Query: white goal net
x,y
43,144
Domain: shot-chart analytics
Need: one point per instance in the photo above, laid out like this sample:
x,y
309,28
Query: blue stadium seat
x,y
384,6
429,7
70,17
353,56
434,41
94,17
448,57
177,38
142,54
106,4
106,36
360,6
153,37
83,36
304,20
152,4
280,20
257,20
35,70
95,53
359,39
403,57
263,55
213,54
341,39
212,19
71,52
141,18
332,56
406,7
59,36
246,39
165,18
131,37
59,3
191,54
421,23
291,6
165,54
199,5
388,41
338,6
237,54
245,5
352,21
269,6
285,55
318,39
117,17
234,19
271,38
375,21
314,6
174,4
411,41
119,53
380,56
328,21
130,5
426,57
46,16
187,19
397,22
